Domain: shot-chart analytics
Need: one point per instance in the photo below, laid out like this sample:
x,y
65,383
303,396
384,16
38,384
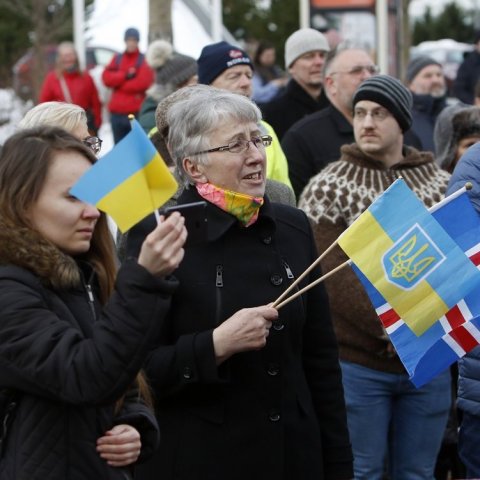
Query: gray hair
x,y
55,114
193,119
341,47
164,105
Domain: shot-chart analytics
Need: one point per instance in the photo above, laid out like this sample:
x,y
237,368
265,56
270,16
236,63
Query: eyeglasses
x,y
358,70
378,115
240,146
94,143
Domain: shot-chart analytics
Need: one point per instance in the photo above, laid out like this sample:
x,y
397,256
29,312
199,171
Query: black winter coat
x,y
277,413
290,106
468,75
68,361
314,142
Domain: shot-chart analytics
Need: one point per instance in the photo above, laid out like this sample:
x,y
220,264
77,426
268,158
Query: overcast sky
x,y
112,17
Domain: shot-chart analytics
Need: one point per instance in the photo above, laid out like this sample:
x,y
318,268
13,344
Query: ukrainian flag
x,y
409,258
129,182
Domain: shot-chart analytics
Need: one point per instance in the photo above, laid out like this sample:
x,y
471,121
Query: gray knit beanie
x,y
303,41
390,93
416,65
170,67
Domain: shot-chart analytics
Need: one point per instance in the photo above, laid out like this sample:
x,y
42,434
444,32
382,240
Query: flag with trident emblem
x,y
458,331
409,258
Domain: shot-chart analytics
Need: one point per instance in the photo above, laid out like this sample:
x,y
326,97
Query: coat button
x,y
278,326
267,240
187,373
274,416
276,279
273,369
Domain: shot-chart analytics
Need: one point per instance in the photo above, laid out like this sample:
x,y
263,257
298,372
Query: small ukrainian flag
x,y
129,182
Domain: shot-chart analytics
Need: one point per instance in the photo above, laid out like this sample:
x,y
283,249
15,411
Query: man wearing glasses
x,y
315,141
391,423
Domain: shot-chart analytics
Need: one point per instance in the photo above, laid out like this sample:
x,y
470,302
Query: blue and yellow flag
x,y
409,258
458,331
129,182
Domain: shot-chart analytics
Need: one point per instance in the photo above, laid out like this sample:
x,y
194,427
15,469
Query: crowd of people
x,y
140,356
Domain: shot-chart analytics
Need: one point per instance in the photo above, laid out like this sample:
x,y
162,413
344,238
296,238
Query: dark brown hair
x,y
24,163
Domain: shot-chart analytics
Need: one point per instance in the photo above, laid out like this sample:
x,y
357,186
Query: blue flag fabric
x,y
403,250
458,331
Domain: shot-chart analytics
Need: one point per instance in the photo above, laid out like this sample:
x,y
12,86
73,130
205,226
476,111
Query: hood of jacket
x,y
26,248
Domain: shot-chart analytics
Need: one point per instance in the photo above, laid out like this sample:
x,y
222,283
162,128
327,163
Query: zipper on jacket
x,y
218,293
288,270
91,300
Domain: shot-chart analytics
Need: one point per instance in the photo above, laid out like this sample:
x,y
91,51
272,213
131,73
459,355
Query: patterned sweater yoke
x,y
333,199
346,188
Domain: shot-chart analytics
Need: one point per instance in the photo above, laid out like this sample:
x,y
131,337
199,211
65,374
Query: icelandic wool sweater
x,y
333,199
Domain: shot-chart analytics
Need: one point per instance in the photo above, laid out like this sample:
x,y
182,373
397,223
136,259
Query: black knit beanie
x,y
218,57
390,93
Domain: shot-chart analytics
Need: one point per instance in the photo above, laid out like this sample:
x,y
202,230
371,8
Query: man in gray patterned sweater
x,y
392,425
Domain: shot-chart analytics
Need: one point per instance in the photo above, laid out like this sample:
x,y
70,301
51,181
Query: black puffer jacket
x,y
68,361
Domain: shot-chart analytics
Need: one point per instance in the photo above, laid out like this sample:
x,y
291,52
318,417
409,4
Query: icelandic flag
x,y
409,258
129,182
458,331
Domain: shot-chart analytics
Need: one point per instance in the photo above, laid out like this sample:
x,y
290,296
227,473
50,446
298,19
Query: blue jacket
x,y
468,170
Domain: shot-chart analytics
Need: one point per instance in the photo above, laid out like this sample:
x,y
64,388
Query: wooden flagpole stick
x,y
313,284
303,275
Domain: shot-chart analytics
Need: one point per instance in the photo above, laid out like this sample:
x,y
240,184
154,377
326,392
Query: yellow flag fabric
x,y
129,182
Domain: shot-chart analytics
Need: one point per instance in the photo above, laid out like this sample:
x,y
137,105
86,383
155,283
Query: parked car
x,y
23,69
449,53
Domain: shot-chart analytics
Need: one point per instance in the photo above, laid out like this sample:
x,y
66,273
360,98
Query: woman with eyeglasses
x,y
68,116
242,390
73,333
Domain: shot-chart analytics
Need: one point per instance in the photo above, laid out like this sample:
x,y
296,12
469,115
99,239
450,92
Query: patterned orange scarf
x,y
242,206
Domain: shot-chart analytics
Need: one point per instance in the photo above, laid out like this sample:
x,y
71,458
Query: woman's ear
x,y
194,170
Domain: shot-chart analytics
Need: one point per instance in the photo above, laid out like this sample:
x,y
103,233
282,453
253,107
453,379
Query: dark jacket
x,y
468,170
146,117
68,361
467,77
290,106
273,414
314,142
425,111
